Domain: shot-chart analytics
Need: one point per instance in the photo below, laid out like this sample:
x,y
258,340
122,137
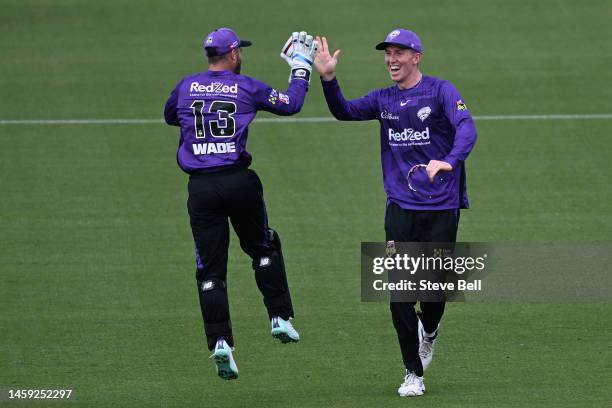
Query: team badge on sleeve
x,y
461,106
284,98
273,97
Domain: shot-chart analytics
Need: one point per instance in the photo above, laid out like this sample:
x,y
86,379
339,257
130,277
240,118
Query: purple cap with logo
x,y
223,40
402,38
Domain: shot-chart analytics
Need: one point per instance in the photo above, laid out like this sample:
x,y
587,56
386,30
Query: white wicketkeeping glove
x,y
299,51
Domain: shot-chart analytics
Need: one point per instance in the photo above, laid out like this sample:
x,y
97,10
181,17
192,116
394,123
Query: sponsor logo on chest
x,y
388,115
213,88
408,137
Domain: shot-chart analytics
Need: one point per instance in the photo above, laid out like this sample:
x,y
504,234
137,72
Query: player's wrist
x,y
450,160
328,77
302,73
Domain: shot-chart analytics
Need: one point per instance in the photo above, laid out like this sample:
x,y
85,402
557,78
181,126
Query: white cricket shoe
x,y
224,360
412,386
284,331
427,342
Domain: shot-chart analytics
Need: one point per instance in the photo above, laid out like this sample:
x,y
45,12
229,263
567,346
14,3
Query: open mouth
x,y
394,69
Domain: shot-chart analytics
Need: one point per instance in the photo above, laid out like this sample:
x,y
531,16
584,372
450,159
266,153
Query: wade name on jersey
x,y
212,148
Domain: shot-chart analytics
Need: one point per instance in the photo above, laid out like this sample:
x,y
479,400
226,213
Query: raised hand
x,y
299,52
326,62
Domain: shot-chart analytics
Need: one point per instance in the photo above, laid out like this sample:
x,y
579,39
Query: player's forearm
x,y
289,102
297,94
465,139
337,104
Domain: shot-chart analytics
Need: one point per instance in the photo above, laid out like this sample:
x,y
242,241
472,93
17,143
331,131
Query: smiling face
x,y
402,63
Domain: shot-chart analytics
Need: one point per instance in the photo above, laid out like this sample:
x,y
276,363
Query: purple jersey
x,y
427,122
214,110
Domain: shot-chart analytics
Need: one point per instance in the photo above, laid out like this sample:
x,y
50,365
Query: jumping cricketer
x,y
213,110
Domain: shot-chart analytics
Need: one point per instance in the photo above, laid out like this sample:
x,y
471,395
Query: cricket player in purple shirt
x,y
426,134
213,110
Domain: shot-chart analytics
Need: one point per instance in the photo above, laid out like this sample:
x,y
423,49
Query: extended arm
x,y
363,108
356,109
299,52
277,102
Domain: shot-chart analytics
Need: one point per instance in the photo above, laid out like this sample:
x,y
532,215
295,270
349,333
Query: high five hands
x,y
324,61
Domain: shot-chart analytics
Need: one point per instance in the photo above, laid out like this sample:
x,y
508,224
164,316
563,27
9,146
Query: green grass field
x,y
96,255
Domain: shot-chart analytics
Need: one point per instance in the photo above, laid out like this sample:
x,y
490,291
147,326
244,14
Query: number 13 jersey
x,y
214,110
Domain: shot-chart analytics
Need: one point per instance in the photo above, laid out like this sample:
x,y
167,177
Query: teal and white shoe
x,y
284,331
427,343
224,360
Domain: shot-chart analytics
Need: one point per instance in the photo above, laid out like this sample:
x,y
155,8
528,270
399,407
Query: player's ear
x,y
416,58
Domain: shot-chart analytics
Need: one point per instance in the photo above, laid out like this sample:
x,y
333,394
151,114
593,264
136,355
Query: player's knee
x,y
274,240
210,285
263,252
266,262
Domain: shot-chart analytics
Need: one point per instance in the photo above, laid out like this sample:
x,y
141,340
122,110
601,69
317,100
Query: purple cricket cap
x,y
402,38
418,182
223,40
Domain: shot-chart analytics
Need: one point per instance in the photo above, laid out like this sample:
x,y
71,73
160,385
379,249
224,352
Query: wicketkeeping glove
x,y
299,51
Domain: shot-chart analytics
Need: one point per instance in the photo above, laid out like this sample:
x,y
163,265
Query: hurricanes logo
x,y
424,113
273,97
461,106
209,40
394,34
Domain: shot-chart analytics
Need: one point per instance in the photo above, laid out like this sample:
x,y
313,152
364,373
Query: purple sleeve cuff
x,y
452,160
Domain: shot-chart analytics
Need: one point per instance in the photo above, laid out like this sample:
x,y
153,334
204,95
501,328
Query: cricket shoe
x,y
412,386
427,342
284,331
224,360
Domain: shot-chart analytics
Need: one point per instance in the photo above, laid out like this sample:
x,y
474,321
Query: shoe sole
x,y
224,370
412,394
283,337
